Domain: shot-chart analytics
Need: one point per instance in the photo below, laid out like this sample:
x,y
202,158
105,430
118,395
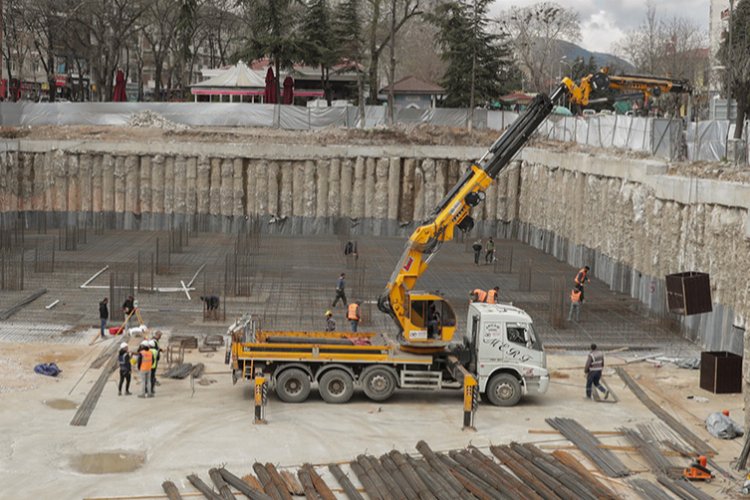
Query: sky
x,y
604,22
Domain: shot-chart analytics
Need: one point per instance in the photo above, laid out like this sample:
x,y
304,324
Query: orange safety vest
x,y
581,276
480,295
575,295
147,359
492,296
353,312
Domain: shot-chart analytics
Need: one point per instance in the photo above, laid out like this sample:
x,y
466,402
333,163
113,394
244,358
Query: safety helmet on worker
x,y
329,313
123,345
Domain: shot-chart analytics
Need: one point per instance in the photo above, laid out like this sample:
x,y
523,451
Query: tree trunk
x,y
361,97
158,68
374,54
741,96
392,67
276,80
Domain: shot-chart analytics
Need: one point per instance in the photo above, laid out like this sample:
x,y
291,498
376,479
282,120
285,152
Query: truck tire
x,y
336,386
293,385
503,390
378,383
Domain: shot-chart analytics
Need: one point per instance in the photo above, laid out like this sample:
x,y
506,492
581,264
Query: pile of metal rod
x,y
683,489
649,451
89,403
697,443
574,432
516,471
648,490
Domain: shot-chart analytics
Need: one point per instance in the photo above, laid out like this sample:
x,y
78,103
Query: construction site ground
x,y
131,445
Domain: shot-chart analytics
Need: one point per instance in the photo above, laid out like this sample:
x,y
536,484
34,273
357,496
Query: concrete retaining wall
x,y
626,218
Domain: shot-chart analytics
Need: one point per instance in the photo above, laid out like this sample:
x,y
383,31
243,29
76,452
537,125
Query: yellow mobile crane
x,y
500,355
411,310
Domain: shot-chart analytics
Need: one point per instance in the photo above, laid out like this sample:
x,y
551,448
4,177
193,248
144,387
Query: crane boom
x,y
426,321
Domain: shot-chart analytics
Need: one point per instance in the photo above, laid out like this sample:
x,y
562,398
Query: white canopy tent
x,y
238,80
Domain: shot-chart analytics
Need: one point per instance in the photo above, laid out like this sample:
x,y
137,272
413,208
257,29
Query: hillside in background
x,y
571,51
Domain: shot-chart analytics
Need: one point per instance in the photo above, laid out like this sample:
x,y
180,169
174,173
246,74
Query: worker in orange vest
x,y
352,314
145,362
575,304
478,295
582,277
492,295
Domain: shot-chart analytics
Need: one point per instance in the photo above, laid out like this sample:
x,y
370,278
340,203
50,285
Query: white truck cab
x,y
507,355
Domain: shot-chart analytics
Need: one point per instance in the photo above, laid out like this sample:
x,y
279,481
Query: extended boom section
x,y
425,320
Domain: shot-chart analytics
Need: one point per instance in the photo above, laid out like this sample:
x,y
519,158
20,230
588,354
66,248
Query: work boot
x,y
141,395
128,393
151,395
606,394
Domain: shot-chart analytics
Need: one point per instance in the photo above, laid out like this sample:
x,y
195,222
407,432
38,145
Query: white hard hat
x,y
152,343
123,345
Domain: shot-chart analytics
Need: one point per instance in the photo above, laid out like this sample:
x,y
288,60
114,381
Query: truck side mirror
x,y
527,338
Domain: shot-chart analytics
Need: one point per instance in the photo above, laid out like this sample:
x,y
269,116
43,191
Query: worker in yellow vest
x,y
478,295
145,362
352,314
575,304
492,295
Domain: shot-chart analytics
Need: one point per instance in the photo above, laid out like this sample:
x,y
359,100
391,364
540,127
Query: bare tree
x,y
110,26
385,18
535,33
17,43
158,25
222,32
416,52
665,47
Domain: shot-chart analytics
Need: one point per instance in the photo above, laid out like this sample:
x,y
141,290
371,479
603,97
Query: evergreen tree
x,y
478,61
348,33
272,31
319,42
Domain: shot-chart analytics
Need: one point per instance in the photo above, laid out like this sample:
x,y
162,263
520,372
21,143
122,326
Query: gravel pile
x,y
149,119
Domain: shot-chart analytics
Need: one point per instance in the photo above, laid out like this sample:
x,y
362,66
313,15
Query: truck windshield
x,y
523,334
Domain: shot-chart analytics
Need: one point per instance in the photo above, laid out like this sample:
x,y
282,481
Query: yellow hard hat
x,y
329,313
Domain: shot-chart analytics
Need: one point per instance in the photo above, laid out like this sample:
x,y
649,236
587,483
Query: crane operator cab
x,y
430,321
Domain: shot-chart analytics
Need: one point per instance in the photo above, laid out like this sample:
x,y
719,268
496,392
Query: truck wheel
x,y
336,386
293,385
503,390
378,383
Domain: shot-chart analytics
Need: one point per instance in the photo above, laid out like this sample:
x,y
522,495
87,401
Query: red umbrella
x,y
119,91
270,94
288,93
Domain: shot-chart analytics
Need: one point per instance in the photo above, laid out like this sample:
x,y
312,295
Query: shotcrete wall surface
x,y
627,219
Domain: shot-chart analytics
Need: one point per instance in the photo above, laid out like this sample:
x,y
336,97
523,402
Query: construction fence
x,y
667,138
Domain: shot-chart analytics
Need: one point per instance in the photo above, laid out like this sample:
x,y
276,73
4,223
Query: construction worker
x,y
478,295
155,361
103,315
477,247
352,314
212,306
582,276
159,350
145,360
340,293
575,304
123,358
330,322
492,295
593,371
128,306
489,257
